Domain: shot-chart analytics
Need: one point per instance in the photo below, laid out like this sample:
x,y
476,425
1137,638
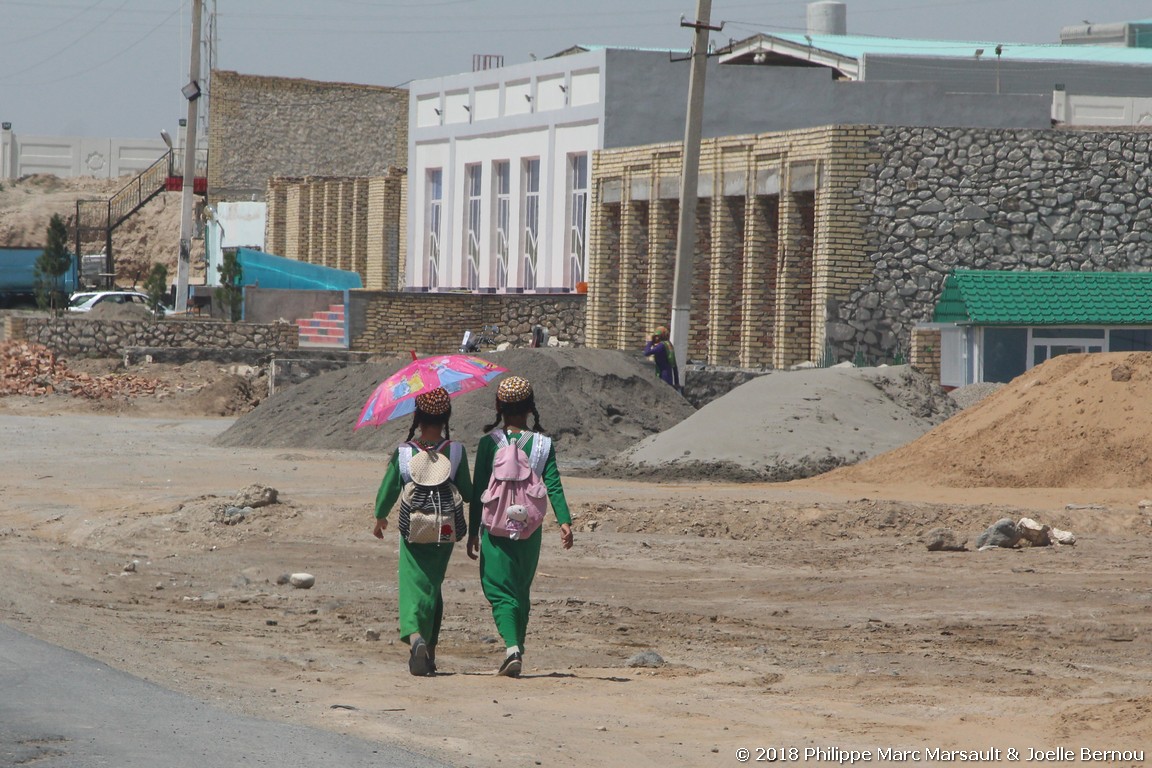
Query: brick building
x,y
349,223
760,283
832,244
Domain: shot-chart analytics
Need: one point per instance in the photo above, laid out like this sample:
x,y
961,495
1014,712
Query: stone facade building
x,y
831,244
262,127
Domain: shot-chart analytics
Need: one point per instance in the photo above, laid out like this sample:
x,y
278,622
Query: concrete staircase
x,y
323,329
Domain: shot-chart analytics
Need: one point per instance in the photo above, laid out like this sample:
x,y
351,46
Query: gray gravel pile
x,y
789,425
594,403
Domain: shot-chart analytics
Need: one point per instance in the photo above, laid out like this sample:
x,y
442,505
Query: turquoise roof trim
x,y
859,46
993,297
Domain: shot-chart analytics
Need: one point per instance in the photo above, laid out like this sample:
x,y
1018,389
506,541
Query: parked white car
x,y
85,301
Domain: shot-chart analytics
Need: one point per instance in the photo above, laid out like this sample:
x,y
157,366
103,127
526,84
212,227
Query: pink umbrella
x,y
396,395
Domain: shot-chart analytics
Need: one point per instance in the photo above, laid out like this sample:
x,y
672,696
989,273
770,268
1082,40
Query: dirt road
x,y
805,615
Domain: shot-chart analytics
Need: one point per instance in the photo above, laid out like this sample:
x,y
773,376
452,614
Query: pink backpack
x,y
516,499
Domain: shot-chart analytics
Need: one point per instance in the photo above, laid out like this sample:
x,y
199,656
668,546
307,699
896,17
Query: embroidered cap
x,y
434,403
514,389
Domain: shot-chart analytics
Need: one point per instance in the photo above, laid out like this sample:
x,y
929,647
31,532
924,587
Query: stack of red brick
x,y
32,369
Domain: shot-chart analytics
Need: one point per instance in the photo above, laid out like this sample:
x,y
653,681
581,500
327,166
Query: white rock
x,y
302,580
1036,534
1067,538
1145,503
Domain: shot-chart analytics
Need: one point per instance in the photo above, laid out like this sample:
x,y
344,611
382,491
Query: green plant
x,y
51,267
156,286
230,294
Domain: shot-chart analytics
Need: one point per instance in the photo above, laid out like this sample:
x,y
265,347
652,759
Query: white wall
x,y
234,225
1081,109
513,114
71,156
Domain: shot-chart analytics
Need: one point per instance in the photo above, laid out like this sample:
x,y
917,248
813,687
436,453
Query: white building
x,y
498,160
498,176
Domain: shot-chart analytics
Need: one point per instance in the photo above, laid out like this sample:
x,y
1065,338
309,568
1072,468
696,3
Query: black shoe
x,y
431,660
511,666
418,661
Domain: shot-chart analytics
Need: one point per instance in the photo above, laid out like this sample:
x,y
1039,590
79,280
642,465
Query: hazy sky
x,y
114,68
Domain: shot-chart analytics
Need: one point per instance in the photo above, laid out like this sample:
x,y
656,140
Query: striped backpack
x,y
431,508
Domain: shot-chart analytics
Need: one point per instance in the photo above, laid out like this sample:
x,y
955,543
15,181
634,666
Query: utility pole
x,y
191,92
689,177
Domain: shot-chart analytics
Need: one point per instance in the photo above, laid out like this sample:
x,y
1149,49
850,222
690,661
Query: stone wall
x,y
85,337
354,224
840,237
263,127
941,199
434,323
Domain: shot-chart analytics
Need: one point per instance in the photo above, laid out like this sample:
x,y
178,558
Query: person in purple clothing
x,y
661,351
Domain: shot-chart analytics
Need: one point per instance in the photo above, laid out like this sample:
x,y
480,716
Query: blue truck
x,y
18,275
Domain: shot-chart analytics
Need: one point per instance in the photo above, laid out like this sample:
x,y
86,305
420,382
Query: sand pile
x,y
593,402
1076,420
788,425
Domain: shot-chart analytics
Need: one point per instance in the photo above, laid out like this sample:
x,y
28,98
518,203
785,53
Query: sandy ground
x,y
805,615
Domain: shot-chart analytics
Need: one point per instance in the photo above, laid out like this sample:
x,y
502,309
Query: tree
x,y
230,294
156,286
51,267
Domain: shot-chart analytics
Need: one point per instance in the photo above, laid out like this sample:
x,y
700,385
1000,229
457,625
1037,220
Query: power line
x,y
89,67
49,30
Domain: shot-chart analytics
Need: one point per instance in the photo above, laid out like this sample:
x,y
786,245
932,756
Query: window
x,y
1130,340
472,189
531,246
578,217
432,234
502,171
1005,353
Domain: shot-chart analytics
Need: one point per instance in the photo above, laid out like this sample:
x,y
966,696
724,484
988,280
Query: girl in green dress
x,y
422,566
507,565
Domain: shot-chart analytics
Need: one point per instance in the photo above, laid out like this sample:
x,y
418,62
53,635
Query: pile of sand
x,y
593,402
789,425
1075,421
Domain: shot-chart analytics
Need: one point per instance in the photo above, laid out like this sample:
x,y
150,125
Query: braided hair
x,y
528,405
420,417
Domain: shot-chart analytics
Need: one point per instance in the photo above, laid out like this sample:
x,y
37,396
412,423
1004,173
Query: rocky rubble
x,y
33,369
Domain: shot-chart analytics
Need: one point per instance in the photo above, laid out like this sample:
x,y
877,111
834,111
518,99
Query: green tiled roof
x,y
991,297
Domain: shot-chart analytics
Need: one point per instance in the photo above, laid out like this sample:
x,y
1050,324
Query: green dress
x,y
508,566
422,566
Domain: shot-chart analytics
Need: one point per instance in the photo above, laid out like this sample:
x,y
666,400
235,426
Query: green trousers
x,y
507,568
422,569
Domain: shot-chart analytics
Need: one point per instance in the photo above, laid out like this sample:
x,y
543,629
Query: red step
x,y
324,329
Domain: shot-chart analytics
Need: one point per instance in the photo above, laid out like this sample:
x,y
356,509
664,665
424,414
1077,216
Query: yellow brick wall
x,y
384,322
766,266
925,353
354,224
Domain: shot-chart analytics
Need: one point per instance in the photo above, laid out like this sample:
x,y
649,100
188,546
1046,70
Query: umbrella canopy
x,y
396,395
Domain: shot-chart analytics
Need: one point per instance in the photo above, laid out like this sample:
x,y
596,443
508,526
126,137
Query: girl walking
x,y
422,566
508,537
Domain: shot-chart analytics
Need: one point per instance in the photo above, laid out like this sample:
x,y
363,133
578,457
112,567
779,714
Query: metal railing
x,y
151,181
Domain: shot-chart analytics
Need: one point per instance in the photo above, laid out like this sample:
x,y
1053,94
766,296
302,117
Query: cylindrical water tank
x,y
827,18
